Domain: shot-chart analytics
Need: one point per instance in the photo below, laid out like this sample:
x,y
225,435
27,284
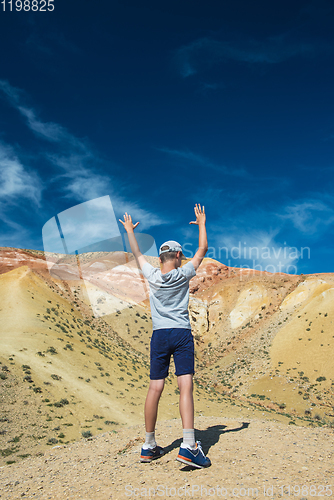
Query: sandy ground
x,y
250,459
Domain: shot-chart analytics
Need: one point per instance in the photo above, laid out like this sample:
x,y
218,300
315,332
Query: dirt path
x,y
246,458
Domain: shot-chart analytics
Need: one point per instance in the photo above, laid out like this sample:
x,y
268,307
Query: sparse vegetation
x,y
86,434
52,350
249,343
52,441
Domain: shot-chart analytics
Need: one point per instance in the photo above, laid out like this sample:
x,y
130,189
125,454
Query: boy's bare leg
x,y
186,405
191,452
151,404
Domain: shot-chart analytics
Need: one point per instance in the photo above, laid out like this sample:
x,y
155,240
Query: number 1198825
x,y
28,5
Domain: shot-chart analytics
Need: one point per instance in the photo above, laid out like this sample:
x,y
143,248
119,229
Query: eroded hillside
x,y
264,344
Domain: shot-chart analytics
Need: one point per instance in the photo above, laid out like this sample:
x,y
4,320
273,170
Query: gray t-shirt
x,y
169,295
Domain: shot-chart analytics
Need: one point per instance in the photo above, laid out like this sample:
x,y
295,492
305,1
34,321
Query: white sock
x,y
189,438
149,441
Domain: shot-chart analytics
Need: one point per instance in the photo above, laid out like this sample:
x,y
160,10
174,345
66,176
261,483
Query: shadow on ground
x,y
208,437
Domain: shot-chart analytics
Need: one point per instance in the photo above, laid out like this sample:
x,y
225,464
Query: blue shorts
x,y
167,341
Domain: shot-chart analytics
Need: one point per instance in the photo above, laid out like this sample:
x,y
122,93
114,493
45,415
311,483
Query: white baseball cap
x,y
170,246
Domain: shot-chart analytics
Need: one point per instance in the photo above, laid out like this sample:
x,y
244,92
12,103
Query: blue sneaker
x,y
151,454
194,458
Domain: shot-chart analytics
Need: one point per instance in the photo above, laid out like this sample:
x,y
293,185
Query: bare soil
x,y
250,458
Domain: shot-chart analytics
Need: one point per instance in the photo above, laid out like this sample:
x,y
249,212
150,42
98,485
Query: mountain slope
x,y
64,372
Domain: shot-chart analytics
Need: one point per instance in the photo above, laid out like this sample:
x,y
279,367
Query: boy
x,y
169,300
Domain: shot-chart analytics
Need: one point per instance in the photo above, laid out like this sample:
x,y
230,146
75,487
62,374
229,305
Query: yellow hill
x,y
261,343
65,373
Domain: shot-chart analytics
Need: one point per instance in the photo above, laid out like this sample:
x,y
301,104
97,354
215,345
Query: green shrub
x,y
7,451
86,434
52,441
16,439
52,350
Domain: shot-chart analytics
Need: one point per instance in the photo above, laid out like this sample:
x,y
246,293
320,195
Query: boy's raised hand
x,y
127,223
200,215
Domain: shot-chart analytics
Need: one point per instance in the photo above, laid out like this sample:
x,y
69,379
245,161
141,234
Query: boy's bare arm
x,y
203,240
129,227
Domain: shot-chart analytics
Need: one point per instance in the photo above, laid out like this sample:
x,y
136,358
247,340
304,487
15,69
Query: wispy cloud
x,y
17,181
310,217
20,193
239,241
147,219
277,239
74,156
80,183
185,157
256,249
49,131
207,52
78,165
13,94
242,234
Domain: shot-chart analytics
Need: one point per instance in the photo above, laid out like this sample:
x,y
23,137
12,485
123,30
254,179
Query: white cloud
x,y
16,181
53,132
49,131
147,219
256,249
79,177
86,187
83,184
206,52
310,216
13,94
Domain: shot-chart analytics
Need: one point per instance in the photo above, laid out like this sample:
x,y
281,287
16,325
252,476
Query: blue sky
x,y
162,105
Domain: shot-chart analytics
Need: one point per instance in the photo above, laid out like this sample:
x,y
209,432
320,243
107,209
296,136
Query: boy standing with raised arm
x,y
169,300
